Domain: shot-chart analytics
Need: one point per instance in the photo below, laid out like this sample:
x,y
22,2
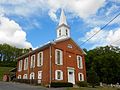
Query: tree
x,y
105,62
93,79
8,55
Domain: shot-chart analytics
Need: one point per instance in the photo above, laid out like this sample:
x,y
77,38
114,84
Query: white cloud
x,y
103,38
11,33
81,8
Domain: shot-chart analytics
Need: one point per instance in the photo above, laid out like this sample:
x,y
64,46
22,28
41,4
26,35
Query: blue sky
x,y
31,23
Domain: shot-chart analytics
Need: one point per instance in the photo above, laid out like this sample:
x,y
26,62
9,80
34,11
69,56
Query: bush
x,y
61,84
82,84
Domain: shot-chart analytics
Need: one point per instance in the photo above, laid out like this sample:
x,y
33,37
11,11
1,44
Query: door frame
x,y
71,69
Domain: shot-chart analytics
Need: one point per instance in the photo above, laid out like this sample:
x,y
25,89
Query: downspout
x,y
50,65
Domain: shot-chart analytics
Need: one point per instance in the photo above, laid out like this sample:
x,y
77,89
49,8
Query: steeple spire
x,y
63,30
62,18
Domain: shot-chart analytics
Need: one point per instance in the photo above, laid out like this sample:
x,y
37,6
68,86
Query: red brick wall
x,y
67,62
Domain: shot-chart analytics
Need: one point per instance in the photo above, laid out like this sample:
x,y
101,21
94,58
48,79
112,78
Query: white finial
x,y
62,18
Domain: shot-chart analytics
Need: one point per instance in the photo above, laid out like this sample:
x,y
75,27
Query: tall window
x,y
25,76
32,64
40,59
60,32
32,75
20,65
66,32
79,62
58,75
80,76
58,57
39,74
26,64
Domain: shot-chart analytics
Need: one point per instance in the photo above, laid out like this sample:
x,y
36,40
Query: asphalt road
x,y
19,86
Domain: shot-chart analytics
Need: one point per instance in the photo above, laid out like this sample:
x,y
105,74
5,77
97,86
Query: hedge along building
x,y
61,60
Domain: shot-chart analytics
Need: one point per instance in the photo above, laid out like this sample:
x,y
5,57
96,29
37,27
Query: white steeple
x,y
63,30
62,18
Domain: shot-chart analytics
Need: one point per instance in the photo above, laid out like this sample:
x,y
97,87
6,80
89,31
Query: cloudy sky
x,y
31,23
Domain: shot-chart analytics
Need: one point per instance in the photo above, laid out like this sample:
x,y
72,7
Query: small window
x,y
58,75
60,32
26,64
32,75
32,64
19,76
79,62
25,76
40,59
80,76
39,74
58,57
66,32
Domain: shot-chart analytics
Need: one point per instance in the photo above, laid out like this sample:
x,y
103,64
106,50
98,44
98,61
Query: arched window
x,y
58,57
80,76
79,62
59,75
32,75
60,32
66,32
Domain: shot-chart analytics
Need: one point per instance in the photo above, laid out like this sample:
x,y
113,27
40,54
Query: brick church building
x,y
61,60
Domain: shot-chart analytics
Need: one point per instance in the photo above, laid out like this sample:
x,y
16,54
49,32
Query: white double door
x,y
71,75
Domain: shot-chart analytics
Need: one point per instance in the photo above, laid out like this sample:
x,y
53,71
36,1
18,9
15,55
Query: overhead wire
x,y
100,29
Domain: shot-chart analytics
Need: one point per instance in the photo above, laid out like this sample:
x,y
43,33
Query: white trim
x,y
32,61
40,59
61,57
56,75
79,62
19,77
26,63
25,76
80,77
20,65
39,74
32,75
71,79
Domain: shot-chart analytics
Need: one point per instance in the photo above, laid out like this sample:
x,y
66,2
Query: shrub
x,y
82,84
61,84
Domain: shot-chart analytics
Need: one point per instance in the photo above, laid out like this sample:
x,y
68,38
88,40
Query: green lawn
x,y
4,70
98,88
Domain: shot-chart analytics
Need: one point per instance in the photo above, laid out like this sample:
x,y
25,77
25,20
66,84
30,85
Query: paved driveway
x,y
19,86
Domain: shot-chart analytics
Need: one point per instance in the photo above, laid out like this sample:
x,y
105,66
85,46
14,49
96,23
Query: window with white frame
x,y
25,76
60,32
58,57
19,76
32,63
40,59
58,75
79,62
80,76
66,32
20,65
39,74
32,75
25,63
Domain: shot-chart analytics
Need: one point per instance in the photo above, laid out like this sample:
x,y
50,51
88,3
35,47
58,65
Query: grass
x,y
4,70
88,88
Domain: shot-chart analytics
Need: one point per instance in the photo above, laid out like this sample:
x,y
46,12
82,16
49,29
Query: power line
x,y
100,29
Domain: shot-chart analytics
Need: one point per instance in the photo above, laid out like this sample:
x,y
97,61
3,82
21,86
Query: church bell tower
x,y
63,30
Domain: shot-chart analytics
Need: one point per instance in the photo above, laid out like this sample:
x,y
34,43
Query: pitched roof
x,y
48,44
